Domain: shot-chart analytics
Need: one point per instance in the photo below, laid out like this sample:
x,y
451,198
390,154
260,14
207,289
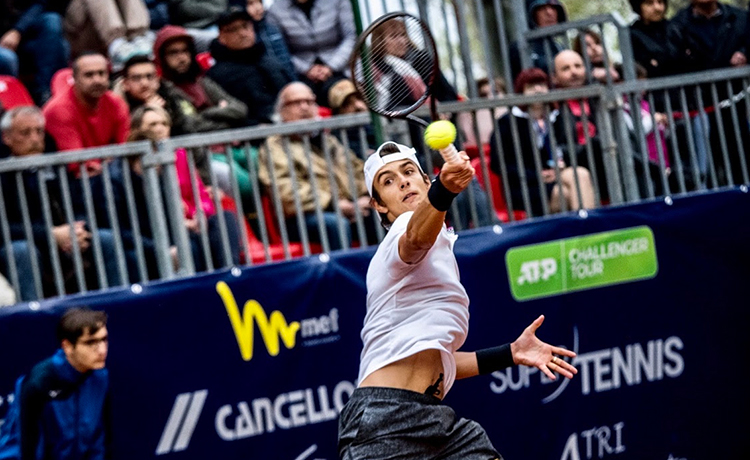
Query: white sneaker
x,y
145,44
121,55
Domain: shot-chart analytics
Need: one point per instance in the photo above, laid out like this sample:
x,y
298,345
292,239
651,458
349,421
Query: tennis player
x,y
417,319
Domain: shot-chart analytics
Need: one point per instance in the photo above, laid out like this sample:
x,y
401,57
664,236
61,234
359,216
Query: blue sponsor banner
x,y
256,363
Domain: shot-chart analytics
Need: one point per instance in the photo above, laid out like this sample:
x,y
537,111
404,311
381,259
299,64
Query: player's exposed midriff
x,y
415,373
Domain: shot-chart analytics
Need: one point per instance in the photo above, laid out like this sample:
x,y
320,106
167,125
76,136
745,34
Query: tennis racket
x,y
394,66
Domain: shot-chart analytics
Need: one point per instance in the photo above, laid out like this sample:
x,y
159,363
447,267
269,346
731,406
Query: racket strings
x,y
395,66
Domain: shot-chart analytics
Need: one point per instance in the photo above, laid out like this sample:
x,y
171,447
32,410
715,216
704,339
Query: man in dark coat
x,y
648,35
708,35
244,69
711,35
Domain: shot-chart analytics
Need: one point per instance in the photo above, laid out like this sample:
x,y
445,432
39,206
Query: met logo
x,y
274,328
537,270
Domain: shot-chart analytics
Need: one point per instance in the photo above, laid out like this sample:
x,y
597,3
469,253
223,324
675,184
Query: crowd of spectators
x,y
704,35
151,69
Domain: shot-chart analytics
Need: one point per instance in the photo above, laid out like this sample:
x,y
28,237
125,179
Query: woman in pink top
x,y
155,122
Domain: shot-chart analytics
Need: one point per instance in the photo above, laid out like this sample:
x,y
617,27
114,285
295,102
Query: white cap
x,y
375,161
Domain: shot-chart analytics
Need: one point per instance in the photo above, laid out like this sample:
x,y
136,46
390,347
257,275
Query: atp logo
x,y
274,328
537,270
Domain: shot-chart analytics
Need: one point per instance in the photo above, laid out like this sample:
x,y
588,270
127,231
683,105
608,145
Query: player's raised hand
x,y
457,176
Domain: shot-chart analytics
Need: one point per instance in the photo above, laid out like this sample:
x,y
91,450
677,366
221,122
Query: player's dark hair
x,y
78,320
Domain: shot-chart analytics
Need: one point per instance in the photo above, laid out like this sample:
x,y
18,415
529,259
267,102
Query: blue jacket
x,y
271,36
60,414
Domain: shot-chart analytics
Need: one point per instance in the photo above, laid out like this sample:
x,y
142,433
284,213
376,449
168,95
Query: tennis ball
x,y
440,134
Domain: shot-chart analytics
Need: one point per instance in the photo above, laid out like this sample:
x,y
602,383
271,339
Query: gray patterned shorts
x,y
389,423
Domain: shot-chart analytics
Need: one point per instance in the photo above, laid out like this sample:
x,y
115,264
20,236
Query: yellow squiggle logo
x,y
271,329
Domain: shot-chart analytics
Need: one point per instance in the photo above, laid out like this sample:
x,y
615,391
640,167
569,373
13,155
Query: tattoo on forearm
x,y
432,390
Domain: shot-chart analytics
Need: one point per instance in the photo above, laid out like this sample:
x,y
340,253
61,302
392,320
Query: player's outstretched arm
x,y
527,350
424,226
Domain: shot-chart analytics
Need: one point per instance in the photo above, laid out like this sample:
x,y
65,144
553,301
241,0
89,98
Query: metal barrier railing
x,y
241,197
65,217
133,214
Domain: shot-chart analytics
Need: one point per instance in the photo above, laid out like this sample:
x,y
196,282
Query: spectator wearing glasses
x,y
141,85
23,133
297,102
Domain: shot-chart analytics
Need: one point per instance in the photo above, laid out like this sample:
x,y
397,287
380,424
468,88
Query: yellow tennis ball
x,y
440,134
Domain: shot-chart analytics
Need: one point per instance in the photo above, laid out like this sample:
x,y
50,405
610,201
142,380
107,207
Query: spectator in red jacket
x,y
88,115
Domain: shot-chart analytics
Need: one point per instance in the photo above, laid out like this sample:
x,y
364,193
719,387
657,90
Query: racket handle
x,y
450,154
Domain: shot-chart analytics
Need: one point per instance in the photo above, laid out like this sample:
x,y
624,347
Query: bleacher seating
x,y
496,187
61,81
13,93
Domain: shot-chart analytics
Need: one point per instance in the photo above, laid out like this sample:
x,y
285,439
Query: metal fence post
x,y
157,216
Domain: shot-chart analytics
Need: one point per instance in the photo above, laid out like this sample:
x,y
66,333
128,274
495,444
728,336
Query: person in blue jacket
x,y
60,410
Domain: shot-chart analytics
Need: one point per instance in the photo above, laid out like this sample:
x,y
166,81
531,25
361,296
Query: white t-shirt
x,y
414,307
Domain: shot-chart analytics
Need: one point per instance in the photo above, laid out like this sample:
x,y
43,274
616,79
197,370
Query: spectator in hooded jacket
x,y
33,35
244,68
198,17
540,13
174,54
320,35
175,57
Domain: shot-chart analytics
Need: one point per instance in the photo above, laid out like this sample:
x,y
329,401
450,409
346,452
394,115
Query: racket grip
x,y
450,154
